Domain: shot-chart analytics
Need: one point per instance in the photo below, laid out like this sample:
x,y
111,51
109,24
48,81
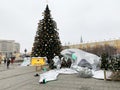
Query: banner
x,y
38,61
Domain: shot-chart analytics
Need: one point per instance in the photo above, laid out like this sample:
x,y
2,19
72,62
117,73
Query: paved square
x,y
22,78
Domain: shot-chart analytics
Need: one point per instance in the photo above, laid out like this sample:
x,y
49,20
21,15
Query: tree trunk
x,y
104,74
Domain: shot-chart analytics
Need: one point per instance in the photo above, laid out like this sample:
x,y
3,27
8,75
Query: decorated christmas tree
x,y
47,42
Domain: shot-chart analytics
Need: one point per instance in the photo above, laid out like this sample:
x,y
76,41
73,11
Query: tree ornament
x,y
45,44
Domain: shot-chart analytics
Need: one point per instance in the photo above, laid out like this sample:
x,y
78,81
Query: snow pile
x,y
100,74
48,76
26,61
52,74
82,58
85,64
85,73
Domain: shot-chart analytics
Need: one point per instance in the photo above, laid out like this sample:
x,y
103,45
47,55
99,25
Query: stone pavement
x,y
3,67
22,78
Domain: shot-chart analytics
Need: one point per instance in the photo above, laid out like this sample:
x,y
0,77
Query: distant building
x,y
9,47
85,46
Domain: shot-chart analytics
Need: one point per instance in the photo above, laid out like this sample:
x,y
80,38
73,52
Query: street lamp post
x,y
25,51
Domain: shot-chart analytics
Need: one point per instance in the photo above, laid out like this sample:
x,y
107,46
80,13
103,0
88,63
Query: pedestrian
x,y
0,58
12,59
8,63
5,60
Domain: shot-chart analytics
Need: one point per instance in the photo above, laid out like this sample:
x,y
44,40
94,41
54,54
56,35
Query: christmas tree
x,y
47,42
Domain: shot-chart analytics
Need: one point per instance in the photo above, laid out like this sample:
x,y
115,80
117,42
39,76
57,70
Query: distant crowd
x,y
7,60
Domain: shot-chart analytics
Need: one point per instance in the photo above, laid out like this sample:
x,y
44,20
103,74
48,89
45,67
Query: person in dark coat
x,y
5,60
12,60
8,63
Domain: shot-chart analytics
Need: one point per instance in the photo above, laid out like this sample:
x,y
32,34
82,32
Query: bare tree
x,y
98,50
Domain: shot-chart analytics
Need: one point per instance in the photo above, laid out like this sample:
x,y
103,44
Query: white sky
x,y
94,20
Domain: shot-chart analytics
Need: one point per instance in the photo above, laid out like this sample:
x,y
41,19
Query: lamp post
x,y
25,51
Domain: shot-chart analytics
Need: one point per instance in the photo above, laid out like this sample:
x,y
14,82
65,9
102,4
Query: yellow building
x,y
113,43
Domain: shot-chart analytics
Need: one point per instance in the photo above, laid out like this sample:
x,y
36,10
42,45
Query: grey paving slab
x,y
22,78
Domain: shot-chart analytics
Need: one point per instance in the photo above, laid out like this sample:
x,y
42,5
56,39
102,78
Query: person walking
x,y
0,58
5,60
8,63
12,60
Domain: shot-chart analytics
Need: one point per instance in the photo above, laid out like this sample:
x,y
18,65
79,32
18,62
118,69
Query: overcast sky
x,y
94,20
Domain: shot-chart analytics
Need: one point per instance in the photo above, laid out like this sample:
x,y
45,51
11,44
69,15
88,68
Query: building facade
x,y
9,47
114,43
